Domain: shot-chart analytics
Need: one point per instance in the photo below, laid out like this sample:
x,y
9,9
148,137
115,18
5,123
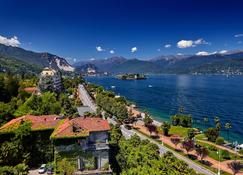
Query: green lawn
x,y
201,137
213,153
178,130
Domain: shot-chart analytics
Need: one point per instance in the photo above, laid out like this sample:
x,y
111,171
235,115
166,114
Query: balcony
x,y
94,146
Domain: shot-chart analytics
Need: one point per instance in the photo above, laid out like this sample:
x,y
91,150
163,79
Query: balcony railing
x,y
94,146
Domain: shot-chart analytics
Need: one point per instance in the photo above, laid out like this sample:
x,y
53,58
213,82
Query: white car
x,y
42,169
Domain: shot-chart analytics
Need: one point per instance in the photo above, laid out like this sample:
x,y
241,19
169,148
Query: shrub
x,y
212,148
219,141
181,120
212,134
225,154
241,151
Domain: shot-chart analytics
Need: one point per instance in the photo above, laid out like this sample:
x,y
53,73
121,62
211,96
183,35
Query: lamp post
x,y
218,152
235,148
162,143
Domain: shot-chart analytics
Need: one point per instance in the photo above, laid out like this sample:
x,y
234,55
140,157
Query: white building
x,y
50,80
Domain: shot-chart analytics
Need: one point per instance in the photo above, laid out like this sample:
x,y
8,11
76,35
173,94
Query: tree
x,y
147,120
188,145
205,121
181,109
65,167
219,141
202,152
175,140
115,135
217,123
152,129
191,133
165,126
212,134
11,85
17,150
20,169
181,120
235,166
228,126
6,112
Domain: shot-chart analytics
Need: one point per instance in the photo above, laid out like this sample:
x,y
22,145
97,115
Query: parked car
x,y
42,169
50,170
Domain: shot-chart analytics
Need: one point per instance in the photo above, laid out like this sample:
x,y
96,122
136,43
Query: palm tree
x,y
228,126
217,123
205,121
181,109
165,128
235,166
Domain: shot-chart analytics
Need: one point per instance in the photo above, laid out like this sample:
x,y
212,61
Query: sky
x,y
98,29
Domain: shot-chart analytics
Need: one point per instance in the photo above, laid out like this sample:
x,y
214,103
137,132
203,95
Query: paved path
x,y
128,133
85,98
35,172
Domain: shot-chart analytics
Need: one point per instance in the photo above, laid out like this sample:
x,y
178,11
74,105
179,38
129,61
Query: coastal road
x,y
162,149
85,98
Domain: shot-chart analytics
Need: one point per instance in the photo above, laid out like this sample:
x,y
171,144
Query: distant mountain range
x,y
38,60
216,63
20,60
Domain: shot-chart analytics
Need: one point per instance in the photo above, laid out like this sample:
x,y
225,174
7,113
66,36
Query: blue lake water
x,y
201,96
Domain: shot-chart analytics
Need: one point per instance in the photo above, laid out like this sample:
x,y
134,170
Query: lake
x,y
201,96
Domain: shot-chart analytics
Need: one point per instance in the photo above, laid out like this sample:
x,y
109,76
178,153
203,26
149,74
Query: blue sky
x,y
92,28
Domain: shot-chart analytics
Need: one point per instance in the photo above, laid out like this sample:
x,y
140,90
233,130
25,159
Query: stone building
x,y
50,80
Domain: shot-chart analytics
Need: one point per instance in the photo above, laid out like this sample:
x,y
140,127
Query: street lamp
x,y
162,143
218,152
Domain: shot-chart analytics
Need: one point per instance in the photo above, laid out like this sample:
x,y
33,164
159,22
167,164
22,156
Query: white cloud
x,y
100,49
92,59
158,50
112,51
190,43
200,41
179,54
202,53
134,49
167,45
185,44
10,41
223,51
239,35
74,60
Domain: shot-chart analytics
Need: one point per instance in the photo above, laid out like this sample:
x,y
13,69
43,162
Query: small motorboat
x,y
113,87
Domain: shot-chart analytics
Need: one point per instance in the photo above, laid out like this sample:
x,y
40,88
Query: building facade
x,y
50,80
83,141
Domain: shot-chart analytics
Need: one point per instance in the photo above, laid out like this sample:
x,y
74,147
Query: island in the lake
x,y
132,76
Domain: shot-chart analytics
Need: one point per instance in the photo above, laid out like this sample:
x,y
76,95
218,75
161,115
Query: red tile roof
x,y
37,122
31,89
77,127
84,125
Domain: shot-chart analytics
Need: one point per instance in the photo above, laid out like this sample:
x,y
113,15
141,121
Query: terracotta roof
x,y
31,89
79,127
42,122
